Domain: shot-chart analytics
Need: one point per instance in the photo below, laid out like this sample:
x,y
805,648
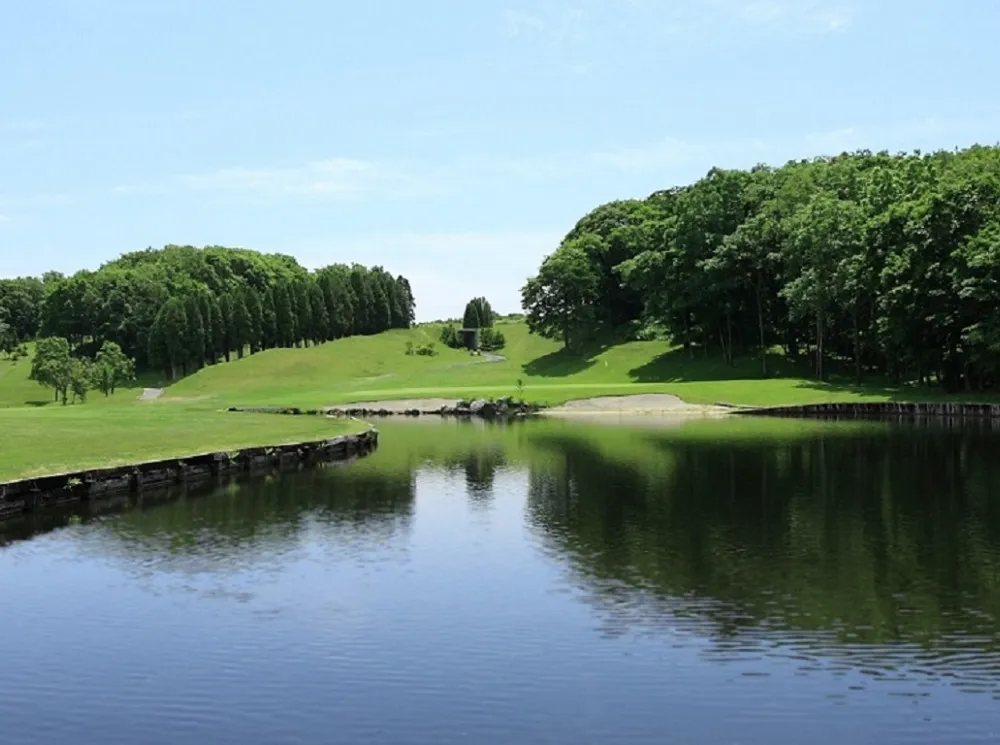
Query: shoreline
x,y
32,494
879,410
652,405
505,408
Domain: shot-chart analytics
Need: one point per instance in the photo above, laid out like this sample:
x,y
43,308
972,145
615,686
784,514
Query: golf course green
x,y
157,419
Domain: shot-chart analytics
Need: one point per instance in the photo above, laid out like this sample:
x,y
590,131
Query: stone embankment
x,y
29,495
882,409
503,408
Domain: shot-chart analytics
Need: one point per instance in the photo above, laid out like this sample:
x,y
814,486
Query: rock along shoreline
x,y
59,490
503,408
879,410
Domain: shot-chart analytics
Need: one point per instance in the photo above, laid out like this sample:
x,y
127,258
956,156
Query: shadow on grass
x,y
676,366
896,393
143,380
562,363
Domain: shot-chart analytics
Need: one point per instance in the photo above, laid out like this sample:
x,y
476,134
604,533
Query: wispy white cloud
x,y
517,23
345,179
676,156
22,126
11,204
685,159
807,16
435,133
443,267
582,21
336,178
330,179
655,155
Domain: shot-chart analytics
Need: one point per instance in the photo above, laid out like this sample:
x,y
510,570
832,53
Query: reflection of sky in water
x,y
448,618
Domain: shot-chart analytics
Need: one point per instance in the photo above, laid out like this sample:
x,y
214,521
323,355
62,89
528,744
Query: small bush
x,y
409,348
427,350
450,337
648,332
491,340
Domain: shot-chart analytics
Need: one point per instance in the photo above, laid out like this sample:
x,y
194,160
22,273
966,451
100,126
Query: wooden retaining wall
x,y
30,495
883,409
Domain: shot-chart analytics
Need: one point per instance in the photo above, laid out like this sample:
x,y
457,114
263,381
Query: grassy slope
x,y
369,368
35,441
39,437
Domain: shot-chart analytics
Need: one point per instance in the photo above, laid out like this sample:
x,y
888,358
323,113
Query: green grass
x,y
57,439
38,436
376,368
17,390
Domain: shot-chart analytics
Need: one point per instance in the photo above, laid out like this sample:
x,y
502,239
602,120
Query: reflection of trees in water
x,y
833,545
251,522
480,467
480,471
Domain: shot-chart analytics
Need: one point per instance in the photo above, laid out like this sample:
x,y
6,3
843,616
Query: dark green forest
x,y
180,308
874,263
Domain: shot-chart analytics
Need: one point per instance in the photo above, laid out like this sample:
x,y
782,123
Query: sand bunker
x,y
640,404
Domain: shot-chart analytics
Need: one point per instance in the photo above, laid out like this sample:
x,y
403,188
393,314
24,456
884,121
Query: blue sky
x,y
455,141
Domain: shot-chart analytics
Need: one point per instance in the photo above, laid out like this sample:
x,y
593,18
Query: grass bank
x,y
57,439
377,368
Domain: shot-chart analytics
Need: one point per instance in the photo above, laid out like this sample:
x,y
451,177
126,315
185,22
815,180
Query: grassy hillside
x,y
15,387
39,437
377,367
374,368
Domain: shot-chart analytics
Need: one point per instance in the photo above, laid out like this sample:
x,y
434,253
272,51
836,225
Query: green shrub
x,y
451,338
491,340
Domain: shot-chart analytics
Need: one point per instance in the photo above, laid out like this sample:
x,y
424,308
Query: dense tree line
x,y
887,263
20,310
180,308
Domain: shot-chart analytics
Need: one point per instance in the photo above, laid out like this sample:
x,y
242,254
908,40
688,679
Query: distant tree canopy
x,y
887,263
478,314
180,307
21,307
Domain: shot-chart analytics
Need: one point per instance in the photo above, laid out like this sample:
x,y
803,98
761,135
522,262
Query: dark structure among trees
x,y
885,264
477,332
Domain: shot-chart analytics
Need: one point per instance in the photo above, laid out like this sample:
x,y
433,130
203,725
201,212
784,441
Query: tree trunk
x,y
857,346
819,344
729,337
760,329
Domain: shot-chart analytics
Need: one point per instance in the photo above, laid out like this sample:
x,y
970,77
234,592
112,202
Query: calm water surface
x,y
551,582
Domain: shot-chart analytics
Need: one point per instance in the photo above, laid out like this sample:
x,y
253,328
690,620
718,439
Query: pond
x,y
737,581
